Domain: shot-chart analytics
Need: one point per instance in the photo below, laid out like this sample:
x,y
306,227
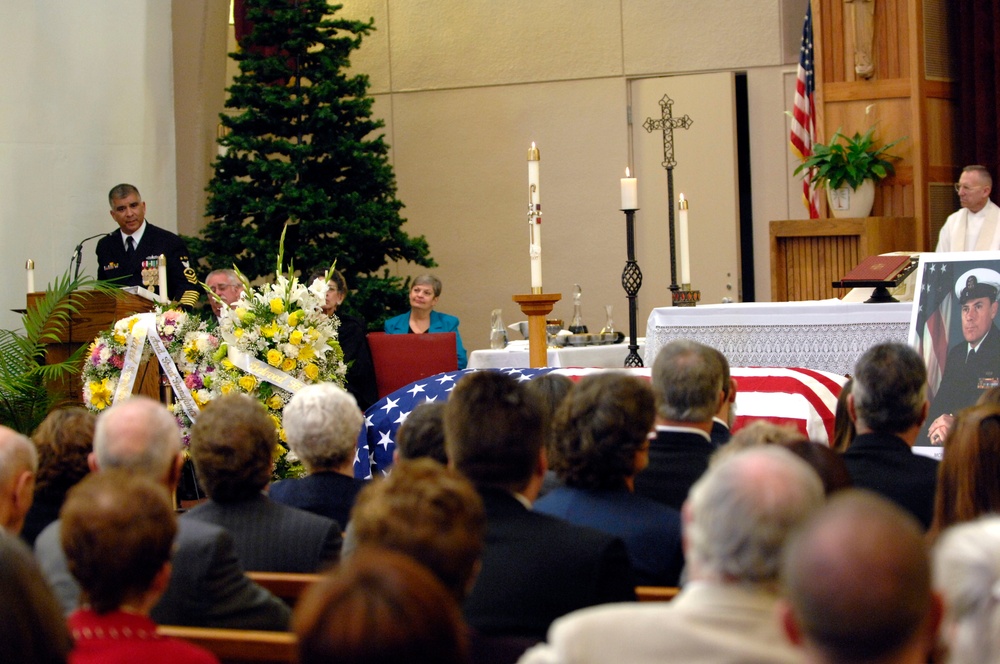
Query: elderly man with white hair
x,y
322,423
18,466
736,520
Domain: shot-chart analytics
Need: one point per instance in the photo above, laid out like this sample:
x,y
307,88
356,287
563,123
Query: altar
x,y
826,335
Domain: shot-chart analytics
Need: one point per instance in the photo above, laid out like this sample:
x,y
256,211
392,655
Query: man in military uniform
x,y
122,252
972,366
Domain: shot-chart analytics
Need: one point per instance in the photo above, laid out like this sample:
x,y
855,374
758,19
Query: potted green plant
x,y
848,167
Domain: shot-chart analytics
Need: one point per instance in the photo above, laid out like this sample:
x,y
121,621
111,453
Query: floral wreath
x,y
273,340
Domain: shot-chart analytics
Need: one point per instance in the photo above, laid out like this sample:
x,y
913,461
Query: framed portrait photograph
x,y
954,328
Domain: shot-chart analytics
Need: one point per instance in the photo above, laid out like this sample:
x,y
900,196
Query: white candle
x,y
682,208
161,267
29,266
630,192
534,219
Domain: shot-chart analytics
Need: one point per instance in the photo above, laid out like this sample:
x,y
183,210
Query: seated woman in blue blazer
x,y
424,294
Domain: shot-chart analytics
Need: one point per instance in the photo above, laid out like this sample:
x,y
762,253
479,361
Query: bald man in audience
x,y
736,522
857,584
208,587
689,383
18,466
535,567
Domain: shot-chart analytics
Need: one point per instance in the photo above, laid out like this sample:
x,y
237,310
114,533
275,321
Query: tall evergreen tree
x,y
302,149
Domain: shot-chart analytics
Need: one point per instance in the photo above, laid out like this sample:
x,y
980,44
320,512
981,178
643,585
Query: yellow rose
x,y
312,371
277,306
288,364
306,353
313,334
274,357
275,402
119,338
269,330
247,383
294,318
238,332
228,365
100,394
281,435
295,338
226,388
197,399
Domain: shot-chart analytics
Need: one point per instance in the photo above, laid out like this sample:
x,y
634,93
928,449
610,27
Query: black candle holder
x,y
631,282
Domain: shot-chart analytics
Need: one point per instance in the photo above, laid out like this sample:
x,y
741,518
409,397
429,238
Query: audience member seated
x,y
232,445
380,607
64,441
755,434
966,566
888,405
422,434
32,626
968,483
736,521
353,338
225,288
843,427
207,587
601,440
424,294
550,390
828,464
688,383
117,531
857,585
535,567
18,465
722,422
322,424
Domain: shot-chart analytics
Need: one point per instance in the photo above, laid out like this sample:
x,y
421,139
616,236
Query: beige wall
x,y
465,86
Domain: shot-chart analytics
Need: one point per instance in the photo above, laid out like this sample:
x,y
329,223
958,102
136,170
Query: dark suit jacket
x,y
207,585
182,283
271,537
676,460
328,494
536,568
963,383
353,338
650,530
885,464
720,433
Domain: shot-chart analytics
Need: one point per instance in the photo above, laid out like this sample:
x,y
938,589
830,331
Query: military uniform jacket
x,y
182,283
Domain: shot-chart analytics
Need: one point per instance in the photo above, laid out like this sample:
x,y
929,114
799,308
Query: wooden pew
x,y
289,586
239,646
656,593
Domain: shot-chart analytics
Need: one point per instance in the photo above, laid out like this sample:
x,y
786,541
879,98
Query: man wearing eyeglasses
x,y
976,227
226,288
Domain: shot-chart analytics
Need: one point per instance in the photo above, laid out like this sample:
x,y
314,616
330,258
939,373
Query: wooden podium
x,y
808,255
98,312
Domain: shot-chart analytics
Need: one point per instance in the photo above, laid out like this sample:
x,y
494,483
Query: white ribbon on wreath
x,y
263,370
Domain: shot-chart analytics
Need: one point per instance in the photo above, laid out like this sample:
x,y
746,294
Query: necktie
x,y
129,247
971,357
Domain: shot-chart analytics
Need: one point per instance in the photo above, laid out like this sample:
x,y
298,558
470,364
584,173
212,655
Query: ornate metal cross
x,y
667,123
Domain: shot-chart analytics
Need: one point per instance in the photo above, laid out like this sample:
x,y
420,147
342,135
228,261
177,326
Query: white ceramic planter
x,y
847,203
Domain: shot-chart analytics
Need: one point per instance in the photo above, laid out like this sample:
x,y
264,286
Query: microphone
x,y
78,254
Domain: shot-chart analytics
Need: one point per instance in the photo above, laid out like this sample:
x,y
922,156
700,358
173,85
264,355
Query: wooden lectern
x,y
98,312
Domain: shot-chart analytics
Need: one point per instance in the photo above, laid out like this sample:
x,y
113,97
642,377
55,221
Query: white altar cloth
x,y
516,355
827,335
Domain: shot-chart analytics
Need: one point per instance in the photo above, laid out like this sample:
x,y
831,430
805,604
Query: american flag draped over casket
x,y
804,398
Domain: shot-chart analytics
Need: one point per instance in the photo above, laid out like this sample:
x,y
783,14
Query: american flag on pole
x,y
934,319
804,114
804,398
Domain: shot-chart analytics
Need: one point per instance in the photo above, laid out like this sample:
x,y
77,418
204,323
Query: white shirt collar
x,y
136,237
664,427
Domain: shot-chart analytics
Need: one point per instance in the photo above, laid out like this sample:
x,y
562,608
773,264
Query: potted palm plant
x,y
848,167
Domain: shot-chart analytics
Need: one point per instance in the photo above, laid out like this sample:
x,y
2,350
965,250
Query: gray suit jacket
x,y
207,587
271,537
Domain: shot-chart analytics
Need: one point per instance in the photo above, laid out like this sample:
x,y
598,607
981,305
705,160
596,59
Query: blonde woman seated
x,y
424,294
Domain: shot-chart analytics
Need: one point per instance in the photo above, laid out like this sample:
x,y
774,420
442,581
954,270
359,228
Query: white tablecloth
x,y
828,335
516,355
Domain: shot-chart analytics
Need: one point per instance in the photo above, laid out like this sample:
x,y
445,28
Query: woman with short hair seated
x,y
322,423
600,437
118,531
353,339
424,293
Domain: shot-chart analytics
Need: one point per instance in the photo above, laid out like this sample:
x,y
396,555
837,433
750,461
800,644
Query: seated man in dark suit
x,y
208,587
888,405
535,568
688,384
722,423
122,252
232,445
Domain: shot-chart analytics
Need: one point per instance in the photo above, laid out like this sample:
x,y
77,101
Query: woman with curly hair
x,y
601,438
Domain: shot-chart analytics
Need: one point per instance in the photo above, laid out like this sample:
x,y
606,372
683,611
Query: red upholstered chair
x,y
401,359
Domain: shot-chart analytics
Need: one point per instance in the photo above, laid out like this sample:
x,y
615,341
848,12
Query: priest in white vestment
x,y
976,227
